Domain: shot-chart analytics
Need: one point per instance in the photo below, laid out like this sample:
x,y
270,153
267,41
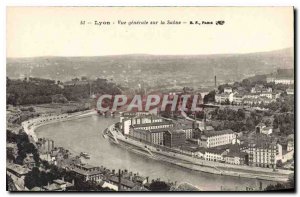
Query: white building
x,y
223,97
290,91
286,81
228,90
210,139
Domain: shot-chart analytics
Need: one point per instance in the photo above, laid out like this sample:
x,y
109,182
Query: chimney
x,y
215,81
119,182
204,120
48,146
52,144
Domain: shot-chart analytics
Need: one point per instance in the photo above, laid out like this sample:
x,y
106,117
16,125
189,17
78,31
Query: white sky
x,y
56,31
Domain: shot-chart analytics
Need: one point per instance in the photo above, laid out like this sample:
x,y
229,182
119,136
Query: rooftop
x,y
216,133
125,182
152,124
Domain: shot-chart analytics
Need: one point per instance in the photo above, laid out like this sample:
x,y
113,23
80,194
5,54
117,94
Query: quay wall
x,y
31,125
199,164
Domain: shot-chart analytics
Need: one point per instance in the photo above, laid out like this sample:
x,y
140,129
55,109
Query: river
x,y
85,135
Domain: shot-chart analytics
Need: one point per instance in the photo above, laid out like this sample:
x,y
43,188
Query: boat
x,y
85,155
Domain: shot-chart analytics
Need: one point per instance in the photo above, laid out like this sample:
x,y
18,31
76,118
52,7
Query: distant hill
x,y
164,67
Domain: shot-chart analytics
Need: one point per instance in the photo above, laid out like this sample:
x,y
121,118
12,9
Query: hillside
x,y
153,67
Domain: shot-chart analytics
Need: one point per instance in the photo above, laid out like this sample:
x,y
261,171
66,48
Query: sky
x,y
56,31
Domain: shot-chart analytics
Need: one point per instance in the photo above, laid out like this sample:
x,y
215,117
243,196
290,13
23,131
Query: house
x,y
224,97
290,91
214,154
236,157
258,88
87,172
228,90
193,151
105,184
267,130
238,99
284,80
58,185
17,170
123,184
262,128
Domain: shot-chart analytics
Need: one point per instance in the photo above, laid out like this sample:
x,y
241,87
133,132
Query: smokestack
x,y
215,81
119,182
52,144
48,146
204,120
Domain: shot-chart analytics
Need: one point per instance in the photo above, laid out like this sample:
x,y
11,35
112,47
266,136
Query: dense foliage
x,y
40,91
24,147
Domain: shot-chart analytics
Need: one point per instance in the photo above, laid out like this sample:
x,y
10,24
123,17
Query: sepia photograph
x,y
150,99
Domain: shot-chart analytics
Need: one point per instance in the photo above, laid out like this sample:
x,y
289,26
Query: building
x,y
17,170
236,158
290,143
132,119
87,172
284,80
153,125
209,139
270,79
174,138
237,99
213,154
188,127
224,97
193,151
152,136
228,90
262,128
58,185
261,89
139,120
290,91
264,152
121,183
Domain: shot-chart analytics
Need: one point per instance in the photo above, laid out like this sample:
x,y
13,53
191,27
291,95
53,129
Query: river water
x,y
85,135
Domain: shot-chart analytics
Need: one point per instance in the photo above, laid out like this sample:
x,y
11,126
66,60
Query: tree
x,y
32,179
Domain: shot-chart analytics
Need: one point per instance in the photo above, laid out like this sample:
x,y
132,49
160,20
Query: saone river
x,y
85,135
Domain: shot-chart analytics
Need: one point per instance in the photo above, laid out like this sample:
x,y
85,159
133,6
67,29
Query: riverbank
x,y
202,165
31,125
